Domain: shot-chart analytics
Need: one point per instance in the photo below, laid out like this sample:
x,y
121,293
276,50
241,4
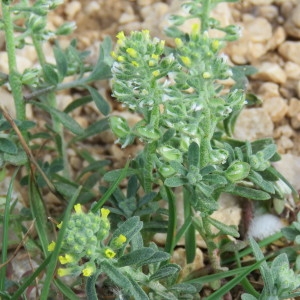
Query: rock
x,y
277,38
284,130
290,51
298,89
294,107
72,9
268,71
92,8
144,2
292,70
178,257
292,25
22,62
295,121
289,167
128,16
255,32
260,2
252,124
269,90
276,108
270,12
7,101
284,143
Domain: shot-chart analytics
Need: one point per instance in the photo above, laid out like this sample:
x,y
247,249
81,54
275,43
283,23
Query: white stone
x,y
289,167
268,71
253,124
292,70
72,9
290,51
269,90
276,107
255,32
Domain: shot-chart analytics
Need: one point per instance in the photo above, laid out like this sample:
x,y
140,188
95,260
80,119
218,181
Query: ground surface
x,y
270,42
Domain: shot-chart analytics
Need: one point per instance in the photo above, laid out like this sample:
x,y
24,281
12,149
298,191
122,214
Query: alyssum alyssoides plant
x,y
187,125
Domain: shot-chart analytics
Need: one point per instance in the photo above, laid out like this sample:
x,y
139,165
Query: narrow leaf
x,y
247,192
165,271
101,104
135,257
225,229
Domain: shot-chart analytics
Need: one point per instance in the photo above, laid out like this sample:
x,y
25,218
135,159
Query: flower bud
x,y
119,126
169,153
237,171
166,171
66,28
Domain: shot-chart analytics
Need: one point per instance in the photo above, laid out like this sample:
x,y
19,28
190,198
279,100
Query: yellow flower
x,y
121,58
152,63
109,253
186,60
178,42
135,63
206,75
195,30
66,259
119,241
104,213
155,56
121,38
215,45
51,246
59,225
113,54
132,52
78,208
155,73
88,271
64,271
146,33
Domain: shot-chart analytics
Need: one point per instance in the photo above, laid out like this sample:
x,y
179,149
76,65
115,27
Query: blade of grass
x,y
110,191
232,283
65,290
54,258
5,231
39,213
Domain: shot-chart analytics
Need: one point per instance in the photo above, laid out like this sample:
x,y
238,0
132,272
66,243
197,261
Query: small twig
x,y
38,93
19,246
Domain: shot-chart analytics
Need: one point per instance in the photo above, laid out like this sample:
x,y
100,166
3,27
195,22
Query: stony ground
x,y
270,42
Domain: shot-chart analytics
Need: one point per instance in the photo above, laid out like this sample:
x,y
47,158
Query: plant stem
x,y
205,15
57,126
14,76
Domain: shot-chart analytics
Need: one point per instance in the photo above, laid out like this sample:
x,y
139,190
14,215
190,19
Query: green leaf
x,y
184,288
175,181
77,103
258,180
128,228
157,257
64,118
102,69
165,271
137,291
225,229
61,61
50,74
101,104
8,146
114,174
17,160
247,192
115,275
136,257
194,154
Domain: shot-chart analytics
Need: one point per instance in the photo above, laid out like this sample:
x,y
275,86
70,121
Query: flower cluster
x,y
84,238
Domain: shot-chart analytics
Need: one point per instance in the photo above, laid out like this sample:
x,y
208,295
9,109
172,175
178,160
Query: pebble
x,y
285,130
269,90
72,9
289,167
284,143
294,107
276,108
292,25
7,101
290,51
252,124
298,89
268,71
292,70
92,8
255,32
22,63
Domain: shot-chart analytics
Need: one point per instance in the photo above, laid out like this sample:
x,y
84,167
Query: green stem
x,y
205,146
57,126
205,15
172,222
91,293
149,151
14,76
